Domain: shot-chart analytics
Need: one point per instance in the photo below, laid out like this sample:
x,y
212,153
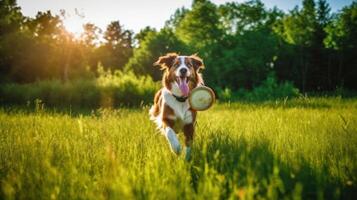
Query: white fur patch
x,y
173,141
181,109
157,120
182,65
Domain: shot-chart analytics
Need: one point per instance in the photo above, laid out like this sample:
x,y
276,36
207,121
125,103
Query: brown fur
x,y
167,112
157,103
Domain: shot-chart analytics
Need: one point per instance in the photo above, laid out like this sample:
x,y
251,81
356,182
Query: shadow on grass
x,y
240,166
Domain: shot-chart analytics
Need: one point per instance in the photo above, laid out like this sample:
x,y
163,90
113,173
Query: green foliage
x,y
176,18
140,37
341,31
199,27
225,95
151,48
240,17
90,34
300,149
11,17
108,90
118,47
304,58
248,50
24,41
270,89
240,43
245,60
341,40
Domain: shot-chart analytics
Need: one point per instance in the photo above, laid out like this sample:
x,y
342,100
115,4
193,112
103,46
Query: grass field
x,y
295,149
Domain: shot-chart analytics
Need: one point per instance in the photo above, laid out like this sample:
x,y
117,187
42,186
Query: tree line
x,y
241,44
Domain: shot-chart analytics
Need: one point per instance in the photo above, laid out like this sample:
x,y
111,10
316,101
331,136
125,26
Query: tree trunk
x,y
329,81
67,58
340,69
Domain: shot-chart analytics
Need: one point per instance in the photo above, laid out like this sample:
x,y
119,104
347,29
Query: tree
x,y
176,18
199,27
244,55
90,36
154,45
299,30
240,17
117,49
140,37
342,40
116,36
11,17
11,20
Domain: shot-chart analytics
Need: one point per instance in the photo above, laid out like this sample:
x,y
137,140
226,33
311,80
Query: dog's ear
x,y
166,61
197,62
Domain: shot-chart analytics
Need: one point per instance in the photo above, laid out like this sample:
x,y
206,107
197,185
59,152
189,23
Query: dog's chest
x,y
181,109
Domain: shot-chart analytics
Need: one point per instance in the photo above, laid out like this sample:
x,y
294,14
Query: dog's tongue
x,y
184,86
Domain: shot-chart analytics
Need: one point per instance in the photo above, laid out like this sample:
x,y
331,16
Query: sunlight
x,y
74,25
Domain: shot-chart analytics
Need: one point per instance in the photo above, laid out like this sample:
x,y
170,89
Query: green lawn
x,y
298,149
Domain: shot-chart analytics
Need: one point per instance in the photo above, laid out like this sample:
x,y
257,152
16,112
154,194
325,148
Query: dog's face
x,y
181,72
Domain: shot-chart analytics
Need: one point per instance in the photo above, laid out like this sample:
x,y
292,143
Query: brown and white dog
x,y
171,110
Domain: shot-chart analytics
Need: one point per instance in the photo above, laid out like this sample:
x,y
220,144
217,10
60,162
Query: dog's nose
x,y
183,71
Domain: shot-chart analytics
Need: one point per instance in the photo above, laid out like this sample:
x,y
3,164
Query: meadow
x,y
303,148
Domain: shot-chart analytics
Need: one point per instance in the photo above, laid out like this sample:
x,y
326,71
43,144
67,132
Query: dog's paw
x,y
176,149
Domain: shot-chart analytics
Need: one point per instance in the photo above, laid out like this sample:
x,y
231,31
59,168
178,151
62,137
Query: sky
x,y
132,14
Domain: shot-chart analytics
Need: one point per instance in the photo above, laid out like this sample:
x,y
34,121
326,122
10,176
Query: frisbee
x,y
201,98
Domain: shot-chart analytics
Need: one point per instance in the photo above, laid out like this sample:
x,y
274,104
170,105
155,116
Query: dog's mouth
x,y
182,82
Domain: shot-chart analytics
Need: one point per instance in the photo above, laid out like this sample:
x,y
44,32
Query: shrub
x,y
108,90
270,89
225,94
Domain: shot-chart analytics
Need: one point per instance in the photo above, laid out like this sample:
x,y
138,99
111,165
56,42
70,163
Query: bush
x,y
122,89
270,89
108,90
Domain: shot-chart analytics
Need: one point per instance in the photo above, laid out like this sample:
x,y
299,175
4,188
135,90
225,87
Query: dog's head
x,y
181,73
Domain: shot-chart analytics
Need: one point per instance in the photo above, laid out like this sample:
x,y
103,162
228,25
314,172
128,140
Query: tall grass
x,y
299,149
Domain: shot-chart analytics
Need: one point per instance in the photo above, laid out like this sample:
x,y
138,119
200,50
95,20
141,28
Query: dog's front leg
x,y
170,135
188,130
173,140
168,124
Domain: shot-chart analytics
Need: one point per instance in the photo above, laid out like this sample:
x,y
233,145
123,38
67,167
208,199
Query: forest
x,y
243,45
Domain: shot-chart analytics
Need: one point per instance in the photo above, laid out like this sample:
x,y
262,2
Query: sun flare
x,y
74,25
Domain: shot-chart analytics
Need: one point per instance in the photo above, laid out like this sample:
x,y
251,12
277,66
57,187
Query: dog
x,y
171,110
